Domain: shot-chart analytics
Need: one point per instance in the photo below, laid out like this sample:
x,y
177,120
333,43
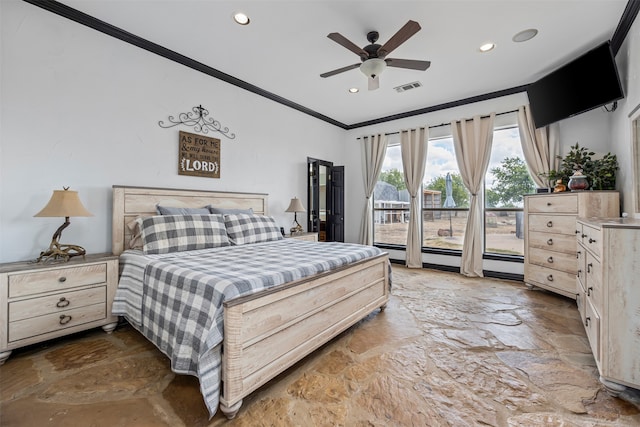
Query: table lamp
x,y
295,206
65,204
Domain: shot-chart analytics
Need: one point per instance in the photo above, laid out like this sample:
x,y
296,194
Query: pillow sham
x,y
169,210
244,228
136,239
162,234
229,211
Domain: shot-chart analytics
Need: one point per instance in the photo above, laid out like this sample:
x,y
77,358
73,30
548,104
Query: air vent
x,y
407,86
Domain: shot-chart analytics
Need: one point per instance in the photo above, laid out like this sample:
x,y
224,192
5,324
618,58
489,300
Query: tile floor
x,y
448,351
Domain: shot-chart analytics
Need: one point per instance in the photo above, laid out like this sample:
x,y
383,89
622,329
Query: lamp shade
x,y
295,206
373,67
64,203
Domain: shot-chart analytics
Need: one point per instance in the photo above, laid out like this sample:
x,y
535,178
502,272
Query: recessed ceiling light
x,y
525,35
354,90
487,47
241,18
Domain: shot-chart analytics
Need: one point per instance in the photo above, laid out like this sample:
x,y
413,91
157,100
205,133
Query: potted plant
x,y
601,173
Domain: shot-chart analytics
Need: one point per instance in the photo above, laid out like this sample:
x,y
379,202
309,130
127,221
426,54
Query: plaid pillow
x,y
174,233
243,229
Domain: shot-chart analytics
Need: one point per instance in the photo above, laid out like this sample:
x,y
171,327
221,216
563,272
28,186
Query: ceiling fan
x,y
374,56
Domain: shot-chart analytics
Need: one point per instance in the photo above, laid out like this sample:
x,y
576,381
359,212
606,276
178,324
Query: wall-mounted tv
x,y
587,82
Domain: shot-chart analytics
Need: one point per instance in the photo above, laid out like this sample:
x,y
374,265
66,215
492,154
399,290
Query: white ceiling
x,y
285,48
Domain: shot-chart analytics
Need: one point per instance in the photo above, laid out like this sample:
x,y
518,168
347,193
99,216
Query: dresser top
x,y
611,222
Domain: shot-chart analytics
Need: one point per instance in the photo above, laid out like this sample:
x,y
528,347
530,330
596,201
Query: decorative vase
x,y
578,181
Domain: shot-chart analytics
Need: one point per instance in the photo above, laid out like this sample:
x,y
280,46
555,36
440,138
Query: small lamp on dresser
x,y
295,206
63,204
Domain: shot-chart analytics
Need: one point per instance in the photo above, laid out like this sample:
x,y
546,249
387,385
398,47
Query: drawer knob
x,y
589,289
592,240
577,231
578,274
589,267
548,203
62,279
586,321
63,302
550,277
578,254
64,319
550,260
550,242
584,235
550,224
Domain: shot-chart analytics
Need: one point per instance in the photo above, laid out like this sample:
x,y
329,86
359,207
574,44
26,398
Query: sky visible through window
x,y
441,156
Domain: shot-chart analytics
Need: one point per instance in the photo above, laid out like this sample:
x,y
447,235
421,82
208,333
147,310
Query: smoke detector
x,y
407,86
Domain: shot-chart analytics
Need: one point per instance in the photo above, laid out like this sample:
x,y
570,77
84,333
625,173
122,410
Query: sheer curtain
x,y
540,146
413,144
472,141
374,150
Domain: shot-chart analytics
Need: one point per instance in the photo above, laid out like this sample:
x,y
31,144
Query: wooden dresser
x,y
608,288
549,233
310,236
43,301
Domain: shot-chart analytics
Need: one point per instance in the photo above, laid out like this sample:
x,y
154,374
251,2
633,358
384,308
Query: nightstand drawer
x,y
41,325
56,303
35,282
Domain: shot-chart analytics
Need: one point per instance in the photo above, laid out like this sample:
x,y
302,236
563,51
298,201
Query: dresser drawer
x,y
592,327
565,243
591,238
41,325
560,224
35,282
550,278
555,260
593,282
56,303
553,204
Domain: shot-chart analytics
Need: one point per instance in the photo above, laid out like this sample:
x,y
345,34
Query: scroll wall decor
x,y
198,120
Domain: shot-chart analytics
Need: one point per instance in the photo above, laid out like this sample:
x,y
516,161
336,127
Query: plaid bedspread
x,y
176,299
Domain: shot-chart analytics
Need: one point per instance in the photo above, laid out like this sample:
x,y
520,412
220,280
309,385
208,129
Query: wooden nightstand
x,y
312,237
43,301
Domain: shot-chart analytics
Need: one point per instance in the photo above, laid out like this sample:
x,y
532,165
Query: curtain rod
x,y
447,124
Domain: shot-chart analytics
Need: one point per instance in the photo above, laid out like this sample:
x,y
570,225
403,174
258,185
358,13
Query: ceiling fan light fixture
x,y
354,90
487,47
241,18
373,67
525,35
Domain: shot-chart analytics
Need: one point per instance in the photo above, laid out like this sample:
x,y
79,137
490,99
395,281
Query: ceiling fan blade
x,y
403,34
411,64
374,83
343,41
339,70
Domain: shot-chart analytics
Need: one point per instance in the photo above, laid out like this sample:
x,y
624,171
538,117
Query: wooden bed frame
x,y
266,333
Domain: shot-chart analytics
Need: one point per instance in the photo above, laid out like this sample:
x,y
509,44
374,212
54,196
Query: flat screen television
x,y
587,82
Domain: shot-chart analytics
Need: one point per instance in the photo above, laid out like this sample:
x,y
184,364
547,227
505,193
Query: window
x,y
506,180
445,200
391,201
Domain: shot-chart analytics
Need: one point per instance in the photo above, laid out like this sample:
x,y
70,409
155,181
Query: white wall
x,y
81,109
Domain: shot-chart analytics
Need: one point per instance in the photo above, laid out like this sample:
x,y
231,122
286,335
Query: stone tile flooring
x,y
449,350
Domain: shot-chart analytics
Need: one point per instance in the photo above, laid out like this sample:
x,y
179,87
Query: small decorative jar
x,y
578,181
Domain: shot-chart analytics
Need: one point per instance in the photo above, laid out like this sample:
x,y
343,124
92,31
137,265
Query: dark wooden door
x,y
336,219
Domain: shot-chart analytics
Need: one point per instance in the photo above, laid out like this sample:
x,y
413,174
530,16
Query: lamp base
x,y
58,252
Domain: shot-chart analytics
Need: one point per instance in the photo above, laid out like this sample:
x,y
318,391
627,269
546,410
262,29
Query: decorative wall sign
x,y
198,155
198,120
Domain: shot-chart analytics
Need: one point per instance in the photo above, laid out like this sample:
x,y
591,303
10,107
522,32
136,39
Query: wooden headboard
x,y
131,202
